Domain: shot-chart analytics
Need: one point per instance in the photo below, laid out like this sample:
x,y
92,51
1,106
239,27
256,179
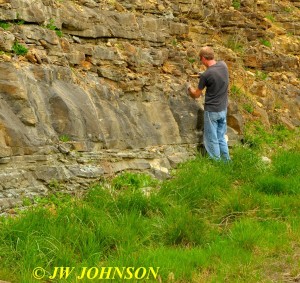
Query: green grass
x,y
211,222
234,44
257,136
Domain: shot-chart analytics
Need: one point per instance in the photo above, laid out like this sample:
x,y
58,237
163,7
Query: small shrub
x,y
19,49
270,18
4,25
236,4
52,26
64,138
191,60
288,9
265,42
20,22
174,42
59,33
261,75
26,201
54,185
248,107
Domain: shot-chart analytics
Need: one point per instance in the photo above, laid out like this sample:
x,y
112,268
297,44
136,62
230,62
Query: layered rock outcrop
x,y
91,88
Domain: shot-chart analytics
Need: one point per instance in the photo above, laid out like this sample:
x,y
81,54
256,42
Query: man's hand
x,y
188,87
194,92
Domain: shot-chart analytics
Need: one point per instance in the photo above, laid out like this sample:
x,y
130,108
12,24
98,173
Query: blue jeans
x,y
215,127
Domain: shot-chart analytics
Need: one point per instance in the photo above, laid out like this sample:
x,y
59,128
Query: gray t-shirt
x,y
215,79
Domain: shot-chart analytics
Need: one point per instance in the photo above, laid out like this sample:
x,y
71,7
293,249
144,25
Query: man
x,y
215,79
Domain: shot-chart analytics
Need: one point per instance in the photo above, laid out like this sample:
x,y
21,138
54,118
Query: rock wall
x,y
100,87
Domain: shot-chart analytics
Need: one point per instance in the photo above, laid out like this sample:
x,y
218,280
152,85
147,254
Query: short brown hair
x,y
207,52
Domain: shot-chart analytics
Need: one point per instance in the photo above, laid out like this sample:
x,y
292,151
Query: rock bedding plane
x,y
91,88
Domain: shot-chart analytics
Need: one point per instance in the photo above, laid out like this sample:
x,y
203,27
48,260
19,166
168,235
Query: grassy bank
x,y
211,222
